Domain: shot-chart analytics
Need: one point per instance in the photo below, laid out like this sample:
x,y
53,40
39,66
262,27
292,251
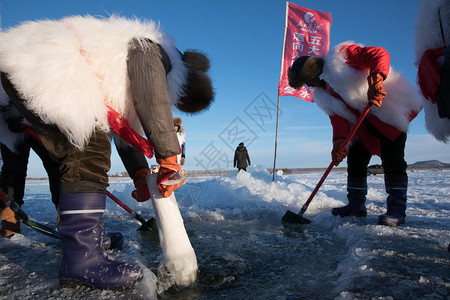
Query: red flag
x,y
307,32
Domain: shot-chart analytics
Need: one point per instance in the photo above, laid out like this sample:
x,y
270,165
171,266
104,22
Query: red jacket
x,y
375,60
428,73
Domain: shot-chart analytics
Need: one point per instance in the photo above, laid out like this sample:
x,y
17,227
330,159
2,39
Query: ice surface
x,y
243,250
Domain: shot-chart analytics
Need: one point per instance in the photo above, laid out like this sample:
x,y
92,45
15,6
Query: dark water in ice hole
x,y
262,259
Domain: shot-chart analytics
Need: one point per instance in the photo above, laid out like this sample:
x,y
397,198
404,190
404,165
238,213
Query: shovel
x,y
291,217
27,221
149,225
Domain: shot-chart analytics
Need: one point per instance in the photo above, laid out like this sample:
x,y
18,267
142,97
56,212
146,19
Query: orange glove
x,y
168,166
376,94
141,193
337,156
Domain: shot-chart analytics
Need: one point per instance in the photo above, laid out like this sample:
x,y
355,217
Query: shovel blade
x,y
291,217
149,225
42,228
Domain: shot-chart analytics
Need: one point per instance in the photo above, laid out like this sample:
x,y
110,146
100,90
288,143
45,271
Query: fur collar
x,y
440,128
76,76
428,30
351,84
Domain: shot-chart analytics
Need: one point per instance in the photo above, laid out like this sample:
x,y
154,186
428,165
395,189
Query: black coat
x,y
241,157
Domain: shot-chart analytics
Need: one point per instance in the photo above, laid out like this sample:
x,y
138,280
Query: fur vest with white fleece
x,y
428,34
68,69
432,15
402,99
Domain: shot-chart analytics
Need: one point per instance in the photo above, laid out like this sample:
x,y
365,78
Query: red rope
x,y
123,129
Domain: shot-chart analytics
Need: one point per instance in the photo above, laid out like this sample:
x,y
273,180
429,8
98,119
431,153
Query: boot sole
x,y
385,223
73,283
350,215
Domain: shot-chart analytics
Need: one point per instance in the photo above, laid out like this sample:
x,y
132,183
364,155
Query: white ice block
x,y
179,256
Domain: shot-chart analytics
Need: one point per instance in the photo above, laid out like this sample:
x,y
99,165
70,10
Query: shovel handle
x,y
355,128
343,146
124,206
13,206
27,221
121,204
5,198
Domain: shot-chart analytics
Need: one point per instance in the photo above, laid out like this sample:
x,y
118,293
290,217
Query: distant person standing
x,y
241,157
178,126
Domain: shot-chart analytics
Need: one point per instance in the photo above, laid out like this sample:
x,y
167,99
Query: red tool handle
x,y
4,198
123,205
343,146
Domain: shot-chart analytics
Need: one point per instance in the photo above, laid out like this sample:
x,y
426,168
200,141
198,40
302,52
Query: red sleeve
x,y
376,59
341,127
428,73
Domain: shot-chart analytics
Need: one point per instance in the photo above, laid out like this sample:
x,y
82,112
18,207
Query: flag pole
x,y
278,101
276,139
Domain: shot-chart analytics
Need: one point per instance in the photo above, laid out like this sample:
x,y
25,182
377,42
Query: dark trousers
x,y
14,169
392,155
82,171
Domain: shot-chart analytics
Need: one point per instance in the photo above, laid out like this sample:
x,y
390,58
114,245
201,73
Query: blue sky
x,y
244,41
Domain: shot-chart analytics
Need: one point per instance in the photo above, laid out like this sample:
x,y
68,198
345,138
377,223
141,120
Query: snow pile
x,y
247,195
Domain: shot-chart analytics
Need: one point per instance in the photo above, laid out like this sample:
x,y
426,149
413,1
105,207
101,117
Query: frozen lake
x,y
243,250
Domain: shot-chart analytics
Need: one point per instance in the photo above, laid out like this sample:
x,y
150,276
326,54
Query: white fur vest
x,y
433,14
67,70
401,101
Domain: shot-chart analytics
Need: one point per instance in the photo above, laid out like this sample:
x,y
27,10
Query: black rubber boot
x,y
396,187
111,240
356,195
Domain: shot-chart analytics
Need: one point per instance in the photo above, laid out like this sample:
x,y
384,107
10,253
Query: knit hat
x,y
177,122
199,90
303,69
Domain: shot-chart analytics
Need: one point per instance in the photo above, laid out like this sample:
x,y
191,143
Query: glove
x,y
182,160
167,167
141,193
337,156
376,94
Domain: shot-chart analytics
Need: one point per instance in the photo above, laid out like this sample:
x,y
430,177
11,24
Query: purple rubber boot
x,y
83,260
356,195
396,187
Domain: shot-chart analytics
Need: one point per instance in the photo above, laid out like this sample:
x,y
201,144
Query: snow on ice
x,y
243,250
